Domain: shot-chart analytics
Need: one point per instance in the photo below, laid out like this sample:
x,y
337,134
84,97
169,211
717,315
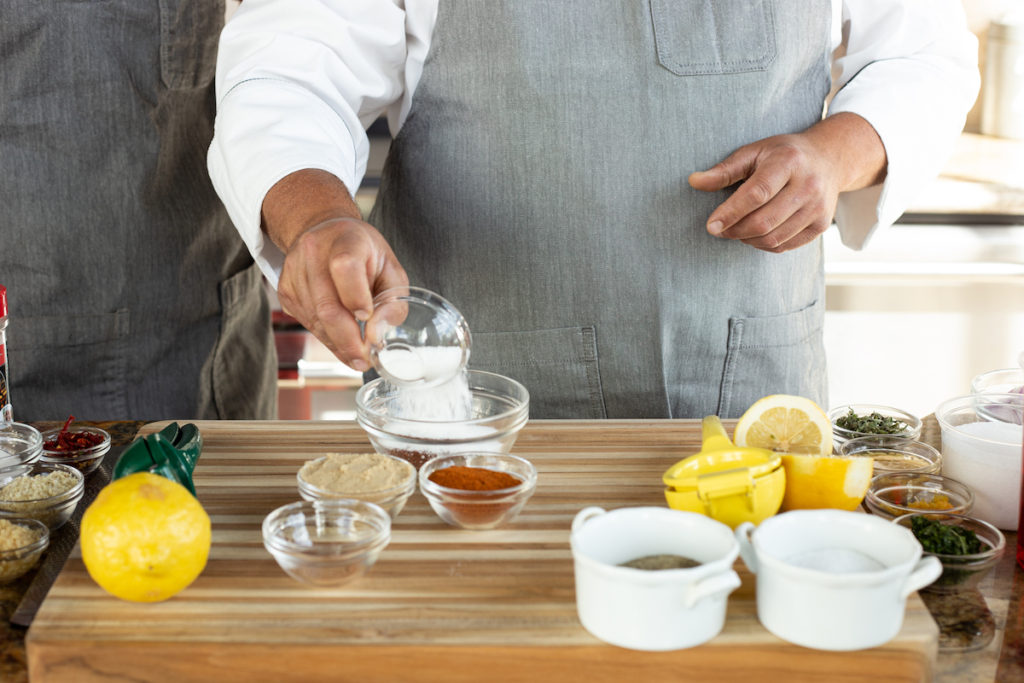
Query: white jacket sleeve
x,y
298,83
911,69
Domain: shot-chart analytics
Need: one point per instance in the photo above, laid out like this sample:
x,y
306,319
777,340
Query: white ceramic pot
x,y
665,609
834,580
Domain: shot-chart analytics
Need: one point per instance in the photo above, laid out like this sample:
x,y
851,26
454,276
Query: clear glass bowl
x,y
841,435
416,337
51,510
15,562
20,445
1002,381
327,542
962,572
392,499
900,493
894,454
499,407
84,459
479,509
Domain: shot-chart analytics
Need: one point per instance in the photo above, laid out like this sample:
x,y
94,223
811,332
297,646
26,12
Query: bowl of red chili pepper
x,y
81,446
478,490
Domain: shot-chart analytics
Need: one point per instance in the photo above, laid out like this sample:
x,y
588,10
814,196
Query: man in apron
x,y
547,180
130,294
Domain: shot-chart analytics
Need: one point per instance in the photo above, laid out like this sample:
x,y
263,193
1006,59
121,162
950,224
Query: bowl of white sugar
x,y
474,411
981,447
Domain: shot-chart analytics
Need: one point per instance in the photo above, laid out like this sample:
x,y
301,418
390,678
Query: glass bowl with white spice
x,y
20,446
48,492
372,477
22,543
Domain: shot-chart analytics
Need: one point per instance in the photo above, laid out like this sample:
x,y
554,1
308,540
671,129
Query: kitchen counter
x,y
1003,590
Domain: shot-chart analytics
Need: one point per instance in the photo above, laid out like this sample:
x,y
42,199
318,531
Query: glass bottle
x,y
6,413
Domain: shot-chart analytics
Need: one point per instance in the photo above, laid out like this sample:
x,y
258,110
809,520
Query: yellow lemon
x,y
820,481
145,538
787,424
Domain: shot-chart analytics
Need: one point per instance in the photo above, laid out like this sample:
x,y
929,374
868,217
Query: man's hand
x,y
334,262
790,183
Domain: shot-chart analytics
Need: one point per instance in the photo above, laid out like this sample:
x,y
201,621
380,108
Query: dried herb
x,y
875,423
945,539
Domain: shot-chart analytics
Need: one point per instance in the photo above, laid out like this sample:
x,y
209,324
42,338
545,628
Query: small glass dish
x,y
349,480
26,495
962,572
85,459
1002,381
16,561
20,446
327,542
499,408
900,493
841,435
894,454
469,509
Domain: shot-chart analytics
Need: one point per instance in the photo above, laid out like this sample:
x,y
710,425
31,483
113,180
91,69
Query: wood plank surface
x,y
441,604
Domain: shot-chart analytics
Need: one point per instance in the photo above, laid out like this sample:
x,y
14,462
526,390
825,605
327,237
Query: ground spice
x,y
473,478
414,458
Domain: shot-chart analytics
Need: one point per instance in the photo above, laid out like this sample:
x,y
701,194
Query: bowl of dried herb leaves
x,y
967,547
864,419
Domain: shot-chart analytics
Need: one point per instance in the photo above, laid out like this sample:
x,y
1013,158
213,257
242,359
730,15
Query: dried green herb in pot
x,y
875,423
945,539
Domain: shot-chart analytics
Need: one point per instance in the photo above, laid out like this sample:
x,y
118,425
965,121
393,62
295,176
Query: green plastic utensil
x,y
172,453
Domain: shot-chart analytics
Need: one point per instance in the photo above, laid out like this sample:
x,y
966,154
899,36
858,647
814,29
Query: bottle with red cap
x,y
6,414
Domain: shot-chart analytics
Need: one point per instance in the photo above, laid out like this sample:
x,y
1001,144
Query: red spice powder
x,y
473,478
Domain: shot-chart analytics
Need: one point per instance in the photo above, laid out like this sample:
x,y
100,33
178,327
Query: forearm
x,y
855,149
302,200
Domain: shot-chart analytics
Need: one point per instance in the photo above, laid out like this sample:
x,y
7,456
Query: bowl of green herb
x,y
864,419
967,547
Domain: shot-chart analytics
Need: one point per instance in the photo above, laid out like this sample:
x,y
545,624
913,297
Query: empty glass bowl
x,y
895,454
416,337
498,408
901,493
16,558
962,572
327,542
1002,381
20,445
479,509
85,459
840,435
355,476
48,492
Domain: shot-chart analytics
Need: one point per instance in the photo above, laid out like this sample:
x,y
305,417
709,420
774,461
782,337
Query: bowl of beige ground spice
x,y
22,542
377,478
48,492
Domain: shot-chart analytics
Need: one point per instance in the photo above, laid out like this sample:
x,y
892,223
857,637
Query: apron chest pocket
x,y
189,31
707,37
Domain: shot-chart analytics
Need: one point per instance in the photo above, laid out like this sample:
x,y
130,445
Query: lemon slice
x,y
816,481
787,424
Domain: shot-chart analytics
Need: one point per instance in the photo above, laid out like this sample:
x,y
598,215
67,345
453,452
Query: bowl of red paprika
x,y
80,446
478,490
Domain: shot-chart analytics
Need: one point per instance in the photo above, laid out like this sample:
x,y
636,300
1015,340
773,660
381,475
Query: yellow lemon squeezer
x,y
726,482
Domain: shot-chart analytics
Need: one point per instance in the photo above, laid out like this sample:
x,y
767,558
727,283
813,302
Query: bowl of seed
x,y
22,543
48,492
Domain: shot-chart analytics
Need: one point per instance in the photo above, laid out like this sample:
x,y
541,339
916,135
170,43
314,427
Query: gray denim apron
x,y
130,293
539,183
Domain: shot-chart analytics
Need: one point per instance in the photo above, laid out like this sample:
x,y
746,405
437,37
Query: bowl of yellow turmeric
x,y
899,493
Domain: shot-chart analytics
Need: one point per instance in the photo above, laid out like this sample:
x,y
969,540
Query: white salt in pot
x,y
832,579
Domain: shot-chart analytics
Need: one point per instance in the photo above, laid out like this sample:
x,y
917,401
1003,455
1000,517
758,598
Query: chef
x,y
624,198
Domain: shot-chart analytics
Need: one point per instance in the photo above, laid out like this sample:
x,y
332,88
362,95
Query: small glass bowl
x,y
84,459
392,499
327,542
841,435
894,454
15,562
479,509
1002,381
901,493
499,409
962,572
53,511
20,445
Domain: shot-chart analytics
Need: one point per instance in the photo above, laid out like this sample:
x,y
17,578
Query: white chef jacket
x,y
299,81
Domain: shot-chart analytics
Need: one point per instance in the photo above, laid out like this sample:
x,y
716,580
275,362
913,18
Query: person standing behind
x,y
130,293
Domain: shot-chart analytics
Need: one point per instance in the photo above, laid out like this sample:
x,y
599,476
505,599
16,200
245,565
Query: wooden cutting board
x,y
441,604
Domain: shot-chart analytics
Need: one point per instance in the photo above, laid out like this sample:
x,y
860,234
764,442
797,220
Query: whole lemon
x,y
145,538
